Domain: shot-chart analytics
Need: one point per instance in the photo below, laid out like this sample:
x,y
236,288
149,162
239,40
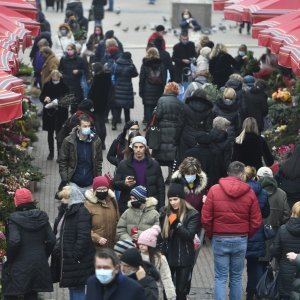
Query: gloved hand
x,y
173,220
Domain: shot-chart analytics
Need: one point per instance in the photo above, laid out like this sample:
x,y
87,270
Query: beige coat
x,y
50,64
105,215
142,218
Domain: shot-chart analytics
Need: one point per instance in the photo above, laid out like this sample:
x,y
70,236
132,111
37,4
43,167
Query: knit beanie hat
x,y
132,257
138,139
264,171
176,189
100,181
139,193
22,196
149,236
249,80
122,246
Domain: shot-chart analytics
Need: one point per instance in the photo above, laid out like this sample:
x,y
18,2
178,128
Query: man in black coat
x,y
183,52
108,282
139,169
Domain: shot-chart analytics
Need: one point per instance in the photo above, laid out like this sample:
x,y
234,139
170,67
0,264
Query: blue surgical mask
x,y
242,53
190,178
86,131
104,276
128,274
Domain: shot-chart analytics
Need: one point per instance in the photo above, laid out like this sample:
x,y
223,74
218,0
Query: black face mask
x,y
136,204
101,195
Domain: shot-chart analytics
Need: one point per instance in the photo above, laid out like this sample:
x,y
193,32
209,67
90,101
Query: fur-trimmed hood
x,y
201,183
151,203
89,195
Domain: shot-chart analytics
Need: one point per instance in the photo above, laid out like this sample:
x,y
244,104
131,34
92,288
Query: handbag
x,y
269,232
267,286
67,100
153,134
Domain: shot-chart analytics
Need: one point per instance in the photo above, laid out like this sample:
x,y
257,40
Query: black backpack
x,y
155,76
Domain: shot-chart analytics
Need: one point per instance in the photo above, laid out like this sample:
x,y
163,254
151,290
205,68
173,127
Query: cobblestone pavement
x,y
133,13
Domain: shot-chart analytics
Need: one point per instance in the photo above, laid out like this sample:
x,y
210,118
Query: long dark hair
x,y
291,167
153,255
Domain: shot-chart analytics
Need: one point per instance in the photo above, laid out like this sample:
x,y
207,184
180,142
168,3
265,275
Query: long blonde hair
x,y
296,210
152,53
183,208
249,126
217,49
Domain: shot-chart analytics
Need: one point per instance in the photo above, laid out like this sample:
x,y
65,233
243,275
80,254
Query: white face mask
x,y
104,276
55,81
186,16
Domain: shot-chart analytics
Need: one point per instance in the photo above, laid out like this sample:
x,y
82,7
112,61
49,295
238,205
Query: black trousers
x,y
51,139
99,119
117,115
60,5
182,277
28,296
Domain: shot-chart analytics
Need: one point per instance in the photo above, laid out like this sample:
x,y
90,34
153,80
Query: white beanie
x,y
264,172
138,139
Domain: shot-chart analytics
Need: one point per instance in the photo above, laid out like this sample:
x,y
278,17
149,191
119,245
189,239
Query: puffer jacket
x,y
179,249
30,241
137,217
170,117
150,93
68,156
256,244
105,216
154,182
72,261
287,240
198,116
231,207
295,294
229,112
51,63
125,71
193,195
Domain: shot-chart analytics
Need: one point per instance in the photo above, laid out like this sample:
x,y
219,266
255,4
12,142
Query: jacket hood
x,y
269,184
150,203
198,104
124,61
201,79
255,186
233,187
202,183
152,61
235,84
76,196
203,138
293,226
151,270
232,107
31,220
69,34
218,136
89,195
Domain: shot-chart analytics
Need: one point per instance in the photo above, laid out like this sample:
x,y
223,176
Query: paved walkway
x,y
133,13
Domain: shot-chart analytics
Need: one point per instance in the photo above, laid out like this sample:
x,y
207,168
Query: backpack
x,y
155,76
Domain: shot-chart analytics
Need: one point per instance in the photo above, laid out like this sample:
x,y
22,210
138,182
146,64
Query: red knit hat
x,y
22,196
100,181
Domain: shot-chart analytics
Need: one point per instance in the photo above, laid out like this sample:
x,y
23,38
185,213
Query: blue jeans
x,y
229,257
111,4
77,293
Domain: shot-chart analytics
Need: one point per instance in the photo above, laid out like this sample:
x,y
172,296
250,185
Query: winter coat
x,y
125,71
149,92
98,6
198,117
231,207
287,240
208,159
61,43
179,246
252,150
149,282
170,118
105,215
295,294
93,42
101,50
68,156
156,35
53,119
165,283
193,194
167,61
290,186
137,217
115,153
202,64
180,52
122,287
229,112
154,181
222,147
30,241
221,67
279,209
185,26
73,258
100,91
198,83
66,66
256,243
254,104
51,63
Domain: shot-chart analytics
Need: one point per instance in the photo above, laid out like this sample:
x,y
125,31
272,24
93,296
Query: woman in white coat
x,y
63,38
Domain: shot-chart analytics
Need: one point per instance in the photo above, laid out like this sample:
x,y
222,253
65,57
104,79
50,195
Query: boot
x,y
50,156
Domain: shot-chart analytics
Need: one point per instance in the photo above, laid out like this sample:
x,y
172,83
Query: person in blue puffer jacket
x,y
256,244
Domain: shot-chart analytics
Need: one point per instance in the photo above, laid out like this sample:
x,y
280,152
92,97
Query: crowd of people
x,y
135,235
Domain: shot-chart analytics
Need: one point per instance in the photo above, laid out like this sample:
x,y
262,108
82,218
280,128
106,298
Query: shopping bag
x,y
267,286
153,133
